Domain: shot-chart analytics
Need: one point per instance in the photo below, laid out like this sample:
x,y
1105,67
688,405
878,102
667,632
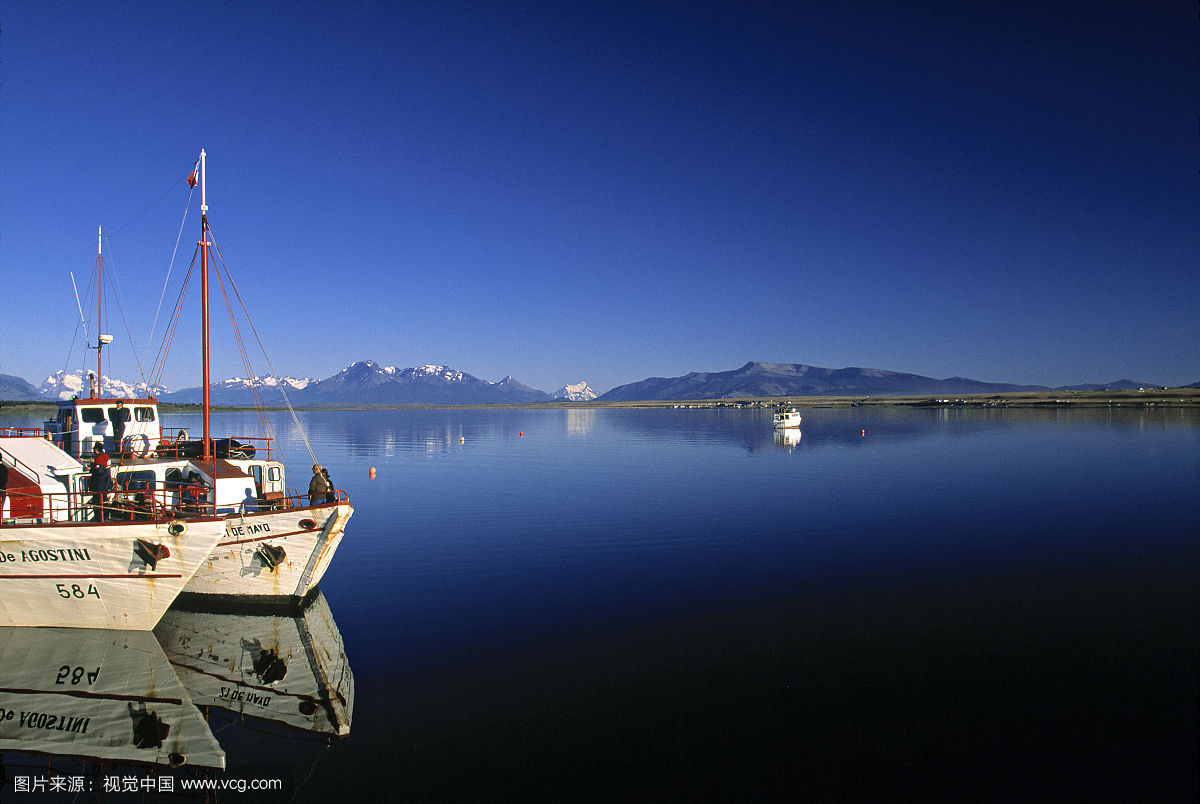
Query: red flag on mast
x,y
192,179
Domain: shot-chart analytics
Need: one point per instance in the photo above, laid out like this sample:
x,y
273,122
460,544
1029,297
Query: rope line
x,y
274,374
170,265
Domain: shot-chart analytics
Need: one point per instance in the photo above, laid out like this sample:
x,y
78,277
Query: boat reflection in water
x,y
287,670
787,438
108,707
98,696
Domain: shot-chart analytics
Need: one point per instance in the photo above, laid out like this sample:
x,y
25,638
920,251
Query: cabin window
x,y
91,415
136,481
173,477
143,414
273,474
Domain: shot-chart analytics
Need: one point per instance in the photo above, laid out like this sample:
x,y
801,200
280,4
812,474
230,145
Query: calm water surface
x,y
676,605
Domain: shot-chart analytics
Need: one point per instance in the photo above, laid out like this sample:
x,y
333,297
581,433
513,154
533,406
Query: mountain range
x,y
368,383
797,379
362,383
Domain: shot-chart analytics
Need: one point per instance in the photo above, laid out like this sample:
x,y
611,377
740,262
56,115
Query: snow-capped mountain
x,y
239,391
368,383
66,384
580,392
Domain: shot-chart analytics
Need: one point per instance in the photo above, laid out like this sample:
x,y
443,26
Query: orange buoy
x,y
862,432
371,473
522,434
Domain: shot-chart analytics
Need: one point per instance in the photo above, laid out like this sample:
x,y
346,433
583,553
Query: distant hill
x,y
15,389
797,379
1115,385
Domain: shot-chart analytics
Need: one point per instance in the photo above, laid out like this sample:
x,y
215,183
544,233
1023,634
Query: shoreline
x,y
1171,397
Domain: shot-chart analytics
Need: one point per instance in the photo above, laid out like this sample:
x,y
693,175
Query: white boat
x,y
785,418
289,670
67,561
276,546
103,696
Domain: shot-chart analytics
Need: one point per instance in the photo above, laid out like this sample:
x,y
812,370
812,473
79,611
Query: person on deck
x,y
102,483
120,417
329,494
318,487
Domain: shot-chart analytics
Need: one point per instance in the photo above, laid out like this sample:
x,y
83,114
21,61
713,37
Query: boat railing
x,y
140,500
178,443
278,501
174,442
20,432
119,505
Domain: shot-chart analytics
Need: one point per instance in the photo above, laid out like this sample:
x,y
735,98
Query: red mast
x,y
207,451
99,291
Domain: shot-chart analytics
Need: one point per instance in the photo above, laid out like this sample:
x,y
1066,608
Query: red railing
x,y
85,506
20,432
147,502
176,442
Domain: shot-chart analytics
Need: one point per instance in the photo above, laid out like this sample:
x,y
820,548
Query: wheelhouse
x,y
82,427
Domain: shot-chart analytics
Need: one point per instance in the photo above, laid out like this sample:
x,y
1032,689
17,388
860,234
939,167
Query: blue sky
x,y
612,191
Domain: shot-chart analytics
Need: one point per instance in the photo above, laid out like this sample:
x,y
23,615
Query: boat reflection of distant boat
x,y
787,438
98,695
786,418
289,670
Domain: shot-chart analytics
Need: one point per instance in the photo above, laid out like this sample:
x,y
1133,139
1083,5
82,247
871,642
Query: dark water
x,y
671,605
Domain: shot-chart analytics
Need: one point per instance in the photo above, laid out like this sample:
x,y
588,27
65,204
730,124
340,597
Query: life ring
x,y
177,528
138,445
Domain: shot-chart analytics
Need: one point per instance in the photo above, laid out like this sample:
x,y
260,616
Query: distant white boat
x,y
786,417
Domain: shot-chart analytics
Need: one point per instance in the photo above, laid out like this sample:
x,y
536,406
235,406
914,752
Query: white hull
x,y
291,671
786,422
97,575
98,695
240,567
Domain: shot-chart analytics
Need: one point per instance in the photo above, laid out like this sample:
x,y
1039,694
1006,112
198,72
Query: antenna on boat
x,y
206,451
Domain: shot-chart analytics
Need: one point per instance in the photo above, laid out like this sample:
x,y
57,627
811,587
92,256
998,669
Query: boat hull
x,y
270,557
98,575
